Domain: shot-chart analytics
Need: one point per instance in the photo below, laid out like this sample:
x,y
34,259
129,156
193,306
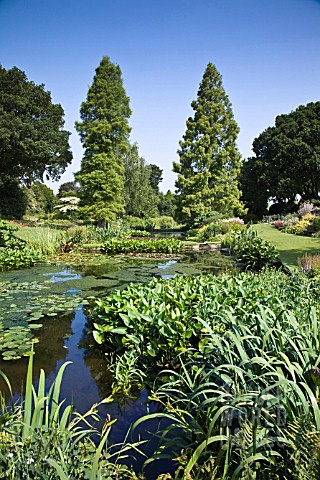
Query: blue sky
x,y
268,53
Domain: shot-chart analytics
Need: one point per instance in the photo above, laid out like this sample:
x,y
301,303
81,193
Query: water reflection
x,y
67,338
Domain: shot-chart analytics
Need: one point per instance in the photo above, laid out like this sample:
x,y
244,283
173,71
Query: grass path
x,y
290,247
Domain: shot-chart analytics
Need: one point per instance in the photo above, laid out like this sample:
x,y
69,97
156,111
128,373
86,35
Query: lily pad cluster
x,y
22,305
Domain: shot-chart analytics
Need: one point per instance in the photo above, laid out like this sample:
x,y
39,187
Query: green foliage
x,y
155,177
209,160
15,253
251,251
286,162
137,223
14,200
42,198
43,438
305,226
23,305
163,222
104,133
77,236
33,142
140,198
229,411
13,259
163,319
167,204
139,233
45,239
209,232
213,230
68,189
7,236
165,245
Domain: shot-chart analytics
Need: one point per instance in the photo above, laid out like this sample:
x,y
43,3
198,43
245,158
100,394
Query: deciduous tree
x,y
209,162
33,142
287,159
140,197
104,132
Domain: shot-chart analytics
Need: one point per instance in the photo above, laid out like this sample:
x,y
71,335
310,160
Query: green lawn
x,y
290,247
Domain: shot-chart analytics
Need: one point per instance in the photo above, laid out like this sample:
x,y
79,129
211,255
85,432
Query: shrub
x,y
278,224
209,232
316,224
211,217
290,220
304,209
136,223
139,233
251,251
7,235
78,235
302,227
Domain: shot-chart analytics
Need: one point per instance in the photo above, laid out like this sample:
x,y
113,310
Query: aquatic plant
x,y
164,318
43,438
246,408
165,245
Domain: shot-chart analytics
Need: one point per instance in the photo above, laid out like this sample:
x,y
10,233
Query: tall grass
x,y
248,407
44,438
46,239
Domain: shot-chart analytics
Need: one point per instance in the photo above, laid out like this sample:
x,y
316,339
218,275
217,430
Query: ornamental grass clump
x,y
310,264
42,438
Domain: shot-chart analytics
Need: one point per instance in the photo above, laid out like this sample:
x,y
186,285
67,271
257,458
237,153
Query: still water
x,y
66,337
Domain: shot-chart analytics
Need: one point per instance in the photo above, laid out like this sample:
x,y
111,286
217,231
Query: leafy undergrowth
x,y
165,245
239,376
43,438
163,318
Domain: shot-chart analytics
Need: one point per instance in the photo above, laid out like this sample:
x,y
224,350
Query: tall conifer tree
x,y
104,132
209,160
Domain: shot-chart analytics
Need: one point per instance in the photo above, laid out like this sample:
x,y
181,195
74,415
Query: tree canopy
x,y
155,177
33,142
104,132
287,160
209,162
140,197
68,189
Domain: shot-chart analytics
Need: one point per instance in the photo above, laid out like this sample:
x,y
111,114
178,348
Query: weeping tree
x,y
209,162
104,131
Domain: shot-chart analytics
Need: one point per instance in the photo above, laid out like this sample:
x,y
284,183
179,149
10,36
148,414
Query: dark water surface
x,y
67,338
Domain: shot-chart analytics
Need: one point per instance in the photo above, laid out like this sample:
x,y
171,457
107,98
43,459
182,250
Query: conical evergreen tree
x,y
104,133
209,160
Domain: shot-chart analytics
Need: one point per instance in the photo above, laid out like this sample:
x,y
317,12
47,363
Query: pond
x,y
31,297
